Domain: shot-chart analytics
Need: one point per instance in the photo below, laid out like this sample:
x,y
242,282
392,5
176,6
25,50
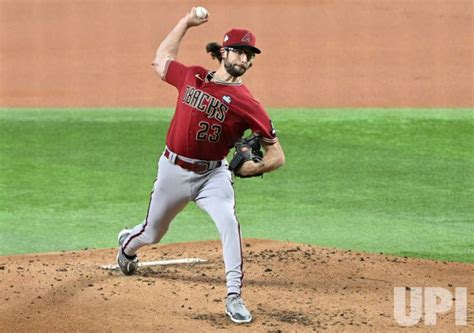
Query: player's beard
x,y
235,70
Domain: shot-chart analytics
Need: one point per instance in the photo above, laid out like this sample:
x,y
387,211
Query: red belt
x,y
198,166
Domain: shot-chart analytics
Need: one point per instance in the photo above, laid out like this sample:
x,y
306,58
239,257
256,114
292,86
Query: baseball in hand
x,y
201,12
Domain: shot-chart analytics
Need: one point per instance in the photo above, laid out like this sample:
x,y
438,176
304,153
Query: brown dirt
x,y
344,53
316,53
288,287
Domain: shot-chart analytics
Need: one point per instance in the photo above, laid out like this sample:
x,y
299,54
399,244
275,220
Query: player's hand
x,y
192,20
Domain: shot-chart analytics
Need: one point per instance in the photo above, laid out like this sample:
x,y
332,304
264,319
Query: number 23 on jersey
x,y
208,132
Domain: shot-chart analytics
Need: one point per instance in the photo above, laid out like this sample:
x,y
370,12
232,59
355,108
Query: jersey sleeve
x,y
260,122
175,73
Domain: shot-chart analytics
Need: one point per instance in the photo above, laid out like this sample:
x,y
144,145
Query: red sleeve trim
x,y
270,141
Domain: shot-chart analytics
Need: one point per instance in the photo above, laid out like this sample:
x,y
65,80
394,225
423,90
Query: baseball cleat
x,y
128,266
236,310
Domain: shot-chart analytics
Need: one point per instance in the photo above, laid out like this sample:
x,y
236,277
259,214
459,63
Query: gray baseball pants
x,y
213,192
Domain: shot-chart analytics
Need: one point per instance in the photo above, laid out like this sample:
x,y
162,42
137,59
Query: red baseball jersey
x,y
211,116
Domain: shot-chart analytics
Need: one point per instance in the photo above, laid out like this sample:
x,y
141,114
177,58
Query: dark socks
x,y
129,257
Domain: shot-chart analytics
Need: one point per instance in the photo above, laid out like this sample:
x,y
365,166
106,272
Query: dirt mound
x,y
288,288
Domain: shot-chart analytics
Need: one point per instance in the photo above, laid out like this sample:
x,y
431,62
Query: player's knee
x,y
228,225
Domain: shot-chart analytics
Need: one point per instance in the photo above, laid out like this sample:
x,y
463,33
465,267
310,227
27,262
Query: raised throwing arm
x,y
168,49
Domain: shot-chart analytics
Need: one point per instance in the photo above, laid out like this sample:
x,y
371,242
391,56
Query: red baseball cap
x,y
240,38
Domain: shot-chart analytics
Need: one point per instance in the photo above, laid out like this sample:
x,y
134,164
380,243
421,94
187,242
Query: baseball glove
x,y
246,149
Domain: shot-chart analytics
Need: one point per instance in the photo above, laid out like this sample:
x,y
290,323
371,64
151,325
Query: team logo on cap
x,y
226,38
247,38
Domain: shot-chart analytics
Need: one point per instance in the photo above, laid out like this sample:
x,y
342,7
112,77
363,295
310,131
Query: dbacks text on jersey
x,y
206,103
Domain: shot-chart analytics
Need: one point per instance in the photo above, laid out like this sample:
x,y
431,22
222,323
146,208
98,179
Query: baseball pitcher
x,y
213,110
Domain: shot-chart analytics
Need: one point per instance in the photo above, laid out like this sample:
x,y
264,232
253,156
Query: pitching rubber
x,y
159,263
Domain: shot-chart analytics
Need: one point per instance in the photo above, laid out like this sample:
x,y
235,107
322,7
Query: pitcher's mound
x,y
288,288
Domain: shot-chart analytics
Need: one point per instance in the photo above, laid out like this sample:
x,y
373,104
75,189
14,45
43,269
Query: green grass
x,y
397,181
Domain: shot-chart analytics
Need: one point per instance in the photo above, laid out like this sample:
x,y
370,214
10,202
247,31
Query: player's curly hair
x,y
214,49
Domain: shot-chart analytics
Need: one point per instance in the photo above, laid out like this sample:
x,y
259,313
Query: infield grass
x,y
398,181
